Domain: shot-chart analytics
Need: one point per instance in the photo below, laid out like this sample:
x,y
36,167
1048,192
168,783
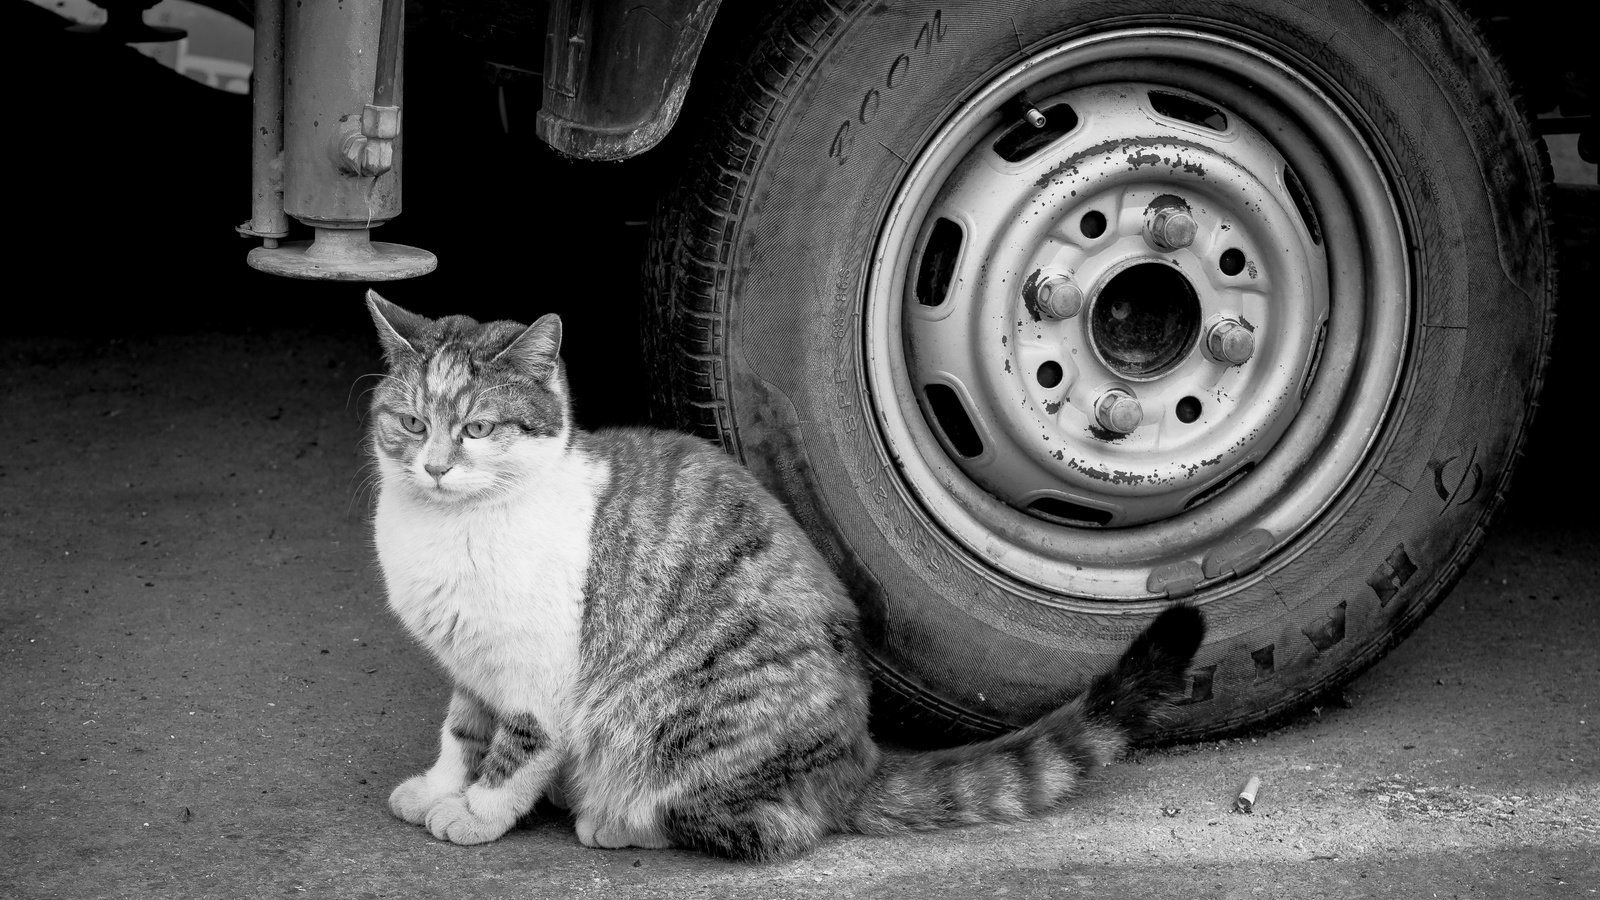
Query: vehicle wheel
x,y
1041,316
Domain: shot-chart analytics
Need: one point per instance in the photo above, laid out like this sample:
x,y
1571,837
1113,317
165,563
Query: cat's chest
x,y
496,594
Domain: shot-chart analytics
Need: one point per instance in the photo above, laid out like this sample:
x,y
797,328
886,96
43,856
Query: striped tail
x,y
1030,772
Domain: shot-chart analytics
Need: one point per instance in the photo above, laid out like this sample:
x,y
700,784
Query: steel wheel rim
x,y
1348,346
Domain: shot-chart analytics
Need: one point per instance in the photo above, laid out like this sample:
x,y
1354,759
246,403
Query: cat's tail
x,y
1032,771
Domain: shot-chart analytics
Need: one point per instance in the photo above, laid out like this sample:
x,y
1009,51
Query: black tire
x,y
759,263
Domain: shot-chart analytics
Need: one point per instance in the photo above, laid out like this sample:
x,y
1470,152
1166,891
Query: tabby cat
x,y
628,616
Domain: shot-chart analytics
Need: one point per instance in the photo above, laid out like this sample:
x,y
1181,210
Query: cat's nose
x,y
436,471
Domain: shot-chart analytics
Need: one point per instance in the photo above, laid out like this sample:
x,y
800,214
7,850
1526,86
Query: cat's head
x,y
469,411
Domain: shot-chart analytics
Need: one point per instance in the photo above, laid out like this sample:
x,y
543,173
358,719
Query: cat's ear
x,y
398,329
535,350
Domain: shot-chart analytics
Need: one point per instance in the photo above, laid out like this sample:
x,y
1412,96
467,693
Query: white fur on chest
x,y
496,592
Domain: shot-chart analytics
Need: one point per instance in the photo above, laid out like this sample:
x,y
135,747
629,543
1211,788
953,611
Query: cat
x,y
630,619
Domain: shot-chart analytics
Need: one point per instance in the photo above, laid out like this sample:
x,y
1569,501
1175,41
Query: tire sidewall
x,y
831,156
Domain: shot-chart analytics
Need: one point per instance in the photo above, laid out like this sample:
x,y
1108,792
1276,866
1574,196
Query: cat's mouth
x,y
438,488
450,490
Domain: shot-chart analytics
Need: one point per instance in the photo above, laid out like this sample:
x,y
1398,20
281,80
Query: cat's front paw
x,y
414,797
452,819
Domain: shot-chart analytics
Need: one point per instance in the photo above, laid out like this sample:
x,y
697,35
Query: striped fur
x,y
631,619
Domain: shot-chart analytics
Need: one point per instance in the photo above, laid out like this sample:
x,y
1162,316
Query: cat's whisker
x,y
351,394
366,490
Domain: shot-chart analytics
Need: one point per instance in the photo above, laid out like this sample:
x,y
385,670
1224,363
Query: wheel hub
x,y
1076,402
1111,351
1144,321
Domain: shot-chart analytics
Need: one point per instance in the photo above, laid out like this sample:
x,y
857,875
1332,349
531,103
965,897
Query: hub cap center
x,y
1145,321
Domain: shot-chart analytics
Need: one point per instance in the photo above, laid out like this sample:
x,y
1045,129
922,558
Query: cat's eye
x,y
478,429
413,424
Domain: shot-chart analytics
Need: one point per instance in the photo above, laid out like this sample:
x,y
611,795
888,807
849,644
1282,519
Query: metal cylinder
x,y
267,219
384,92
330,68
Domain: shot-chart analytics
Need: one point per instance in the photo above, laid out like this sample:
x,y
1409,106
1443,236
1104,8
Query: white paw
x,y
585,828
452,820
610,835
414,797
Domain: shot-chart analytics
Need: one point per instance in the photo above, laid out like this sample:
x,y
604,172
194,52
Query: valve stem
x,y
1030,112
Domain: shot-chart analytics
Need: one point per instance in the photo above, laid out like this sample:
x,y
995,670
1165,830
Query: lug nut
x,y
1058,296
1170,229
1231,341
1118,410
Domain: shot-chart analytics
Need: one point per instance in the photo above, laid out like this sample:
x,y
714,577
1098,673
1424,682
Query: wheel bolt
x,y
1170,229
1231,341
1058,296
1118,410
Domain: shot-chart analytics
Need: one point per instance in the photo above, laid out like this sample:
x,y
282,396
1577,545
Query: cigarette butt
x,y
1247,795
